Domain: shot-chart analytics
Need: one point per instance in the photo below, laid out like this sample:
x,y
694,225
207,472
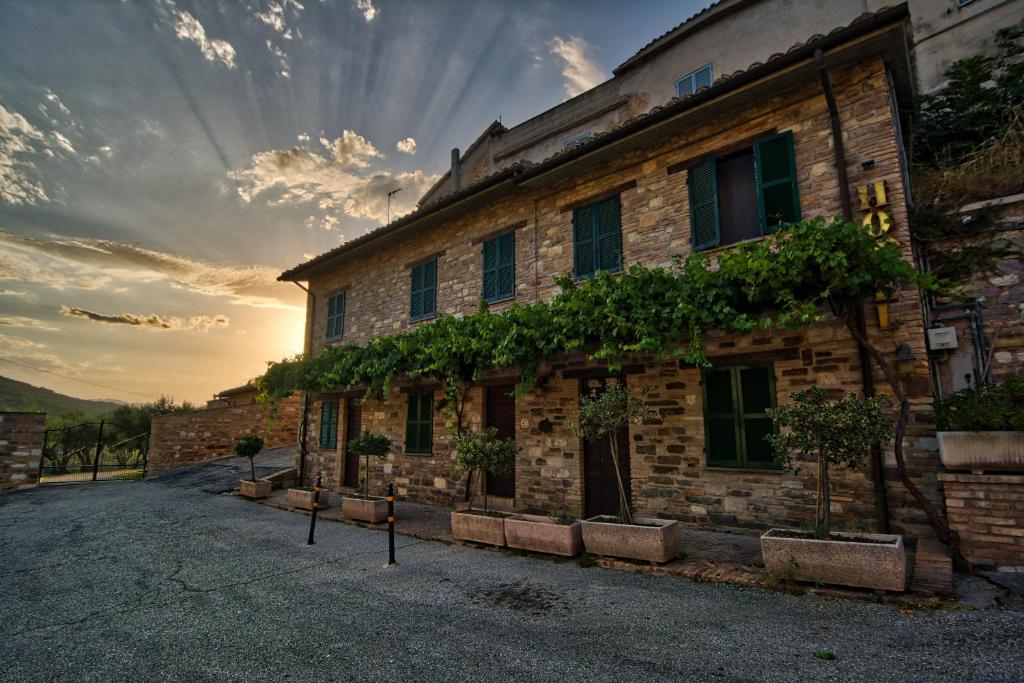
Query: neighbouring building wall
x,y
987,510
21,447
179,439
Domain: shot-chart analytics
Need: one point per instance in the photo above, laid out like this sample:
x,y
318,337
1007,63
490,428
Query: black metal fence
x,y
92,451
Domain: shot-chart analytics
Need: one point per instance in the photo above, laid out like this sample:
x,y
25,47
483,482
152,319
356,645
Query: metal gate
x,y
92,451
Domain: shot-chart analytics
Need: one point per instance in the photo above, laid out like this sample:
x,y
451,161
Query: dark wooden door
x,y
600,488
353,428
501,414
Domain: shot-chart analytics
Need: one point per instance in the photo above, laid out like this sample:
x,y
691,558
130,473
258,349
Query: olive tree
x,y
249,447
837,432
367,444
484,452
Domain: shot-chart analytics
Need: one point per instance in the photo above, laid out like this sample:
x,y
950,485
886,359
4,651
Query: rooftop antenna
x,y
390,194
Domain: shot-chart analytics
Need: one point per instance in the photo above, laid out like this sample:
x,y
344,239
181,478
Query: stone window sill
x,y
743,470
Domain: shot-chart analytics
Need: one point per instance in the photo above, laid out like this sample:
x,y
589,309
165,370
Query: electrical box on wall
x,y
942,338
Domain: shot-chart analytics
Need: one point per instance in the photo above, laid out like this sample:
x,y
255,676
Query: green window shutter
x,y
757,386
778,199
416,289
490,270
721,427
583,241
499,267
329,423
705,228
412,418
336,316
423,290
426,426
419,423
608,254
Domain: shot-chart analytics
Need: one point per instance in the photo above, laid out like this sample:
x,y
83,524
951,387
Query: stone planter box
x,y
653,540
880,563
473,526
1002,451
303,499
543,534
254,489
373,509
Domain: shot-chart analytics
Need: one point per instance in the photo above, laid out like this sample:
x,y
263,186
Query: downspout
x,y
307,348
867,380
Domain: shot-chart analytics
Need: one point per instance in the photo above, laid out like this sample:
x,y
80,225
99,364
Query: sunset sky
x,y
161,162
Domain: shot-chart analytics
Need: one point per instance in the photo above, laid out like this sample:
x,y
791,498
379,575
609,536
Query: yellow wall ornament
x,y
878,223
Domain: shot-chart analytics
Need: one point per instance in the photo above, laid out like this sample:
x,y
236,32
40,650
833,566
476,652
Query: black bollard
x,y
316,506
391,524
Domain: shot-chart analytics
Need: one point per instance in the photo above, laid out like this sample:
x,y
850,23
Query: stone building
x,y
640,192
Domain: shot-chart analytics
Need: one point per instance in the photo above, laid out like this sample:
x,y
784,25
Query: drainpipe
x,y
307,348
867,380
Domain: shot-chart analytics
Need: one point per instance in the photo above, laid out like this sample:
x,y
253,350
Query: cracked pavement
x,y
169,579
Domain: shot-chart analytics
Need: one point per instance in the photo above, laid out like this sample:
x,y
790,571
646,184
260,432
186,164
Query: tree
x,y
602,414
833,432
484,453
249,447
367,444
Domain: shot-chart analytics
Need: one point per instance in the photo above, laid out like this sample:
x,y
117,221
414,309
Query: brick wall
x,y
987,510
21,446
669,476
179,439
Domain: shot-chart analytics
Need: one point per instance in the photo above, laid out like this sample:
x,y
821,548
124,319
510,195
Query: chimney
x,y
456,173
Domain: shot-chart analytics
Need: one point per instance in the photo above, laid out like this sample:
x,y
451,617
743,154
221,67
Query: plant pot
x,y
303,498
373,509
476,526
875,561
653,540
542,534
1002,451
254,489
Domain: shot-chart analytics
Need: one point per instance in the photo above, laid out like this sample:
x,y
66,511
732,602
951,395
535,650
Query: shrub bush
x,y
986,408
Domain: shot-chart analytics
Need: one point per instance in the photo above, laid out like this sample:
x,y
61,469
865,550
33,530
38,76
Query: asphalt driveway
x,y
171,579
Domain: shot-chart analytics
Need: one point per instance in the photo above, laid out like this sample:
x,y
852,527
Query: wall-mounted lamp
x,y
905,358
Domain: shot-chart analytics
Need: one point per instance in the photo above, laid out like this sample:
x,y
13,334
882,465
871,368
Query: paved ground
x,y
169,580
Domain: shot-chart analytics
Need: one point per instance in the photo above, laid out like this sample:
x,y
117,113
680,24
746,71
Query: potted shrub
x,y
982,428
601,416
482,453
832,433
249,447
302,497
366,507
557,534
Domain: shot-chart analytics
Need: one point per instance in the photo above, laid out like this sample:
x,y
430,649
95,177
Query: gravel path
x,y
169,580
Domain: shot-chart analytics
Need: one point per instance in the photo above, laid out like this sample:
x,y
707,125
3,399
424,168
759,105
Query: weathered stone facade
x,y
21,447
179,439
987,510
669,477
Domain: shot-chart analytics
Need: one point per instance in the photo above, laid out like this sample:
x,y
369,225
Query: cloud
x,y
187,27
300,175
65,262
578,67
17,294
285,70
62,141
406,146
197,323
55,99
276,16
18,139
26,323
367,8
17,344
302,137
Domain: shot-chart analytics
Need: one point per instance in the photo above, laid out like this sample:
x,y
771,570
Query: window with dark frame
x,y
745,194
423,288
735,421
419,425
499,268
597,237
336,316
329,423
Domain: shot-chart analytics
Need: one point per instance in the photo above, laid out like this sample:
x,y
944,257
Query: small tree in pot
x,y
249,447
839,432
485,454
366,508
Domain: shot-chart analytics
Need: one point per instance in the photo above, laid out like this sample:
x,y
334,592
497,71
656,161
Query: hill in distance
x,y
15,395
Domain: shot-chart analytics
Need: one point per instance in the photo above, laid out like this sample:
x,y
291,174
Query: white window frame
x,y
691,79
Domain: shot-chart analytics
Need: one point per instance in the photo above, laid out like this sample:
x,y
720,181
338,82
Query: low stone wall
x,y
180,439
987,510
21,447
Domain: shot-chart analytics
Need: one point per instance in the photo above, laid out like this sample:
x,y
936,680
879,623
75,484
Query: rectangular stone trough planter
x,y
478,527
254,489
876,561
373,509
303,499
653,540
1002,451
543,534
